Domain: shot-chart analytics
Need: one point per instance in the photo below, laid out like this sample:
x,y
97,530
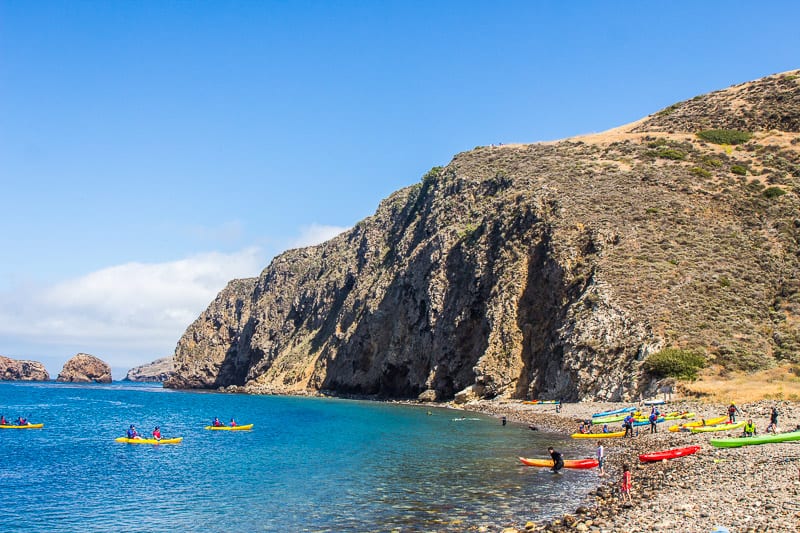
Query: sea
x,y
308,464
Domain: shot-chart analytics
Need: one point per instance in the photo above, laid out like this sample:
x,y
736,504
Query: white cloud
x,y
316,234
134,311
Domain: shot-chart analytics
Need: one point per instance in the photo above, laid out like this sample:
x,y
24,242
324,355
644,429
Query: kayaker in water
x,y
233,423
749,428
3,421
157,433
132,433
216,422
22,421
558,460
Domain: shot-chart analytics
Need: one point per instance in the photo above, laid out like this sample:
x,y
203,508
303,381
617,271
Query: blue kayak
x,y
647,422
615,412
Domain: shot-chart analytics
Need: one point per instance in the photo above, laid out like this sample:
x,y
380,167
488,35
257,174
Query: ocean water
x,y
310,464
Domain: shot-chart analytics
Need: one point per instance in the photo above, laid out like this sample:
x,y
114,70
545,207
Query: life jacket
x,y
749,428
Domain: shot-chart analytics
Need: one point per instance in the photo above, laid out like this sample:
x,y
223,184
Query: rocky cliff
x,y
158,371
85,368
548,270
17,370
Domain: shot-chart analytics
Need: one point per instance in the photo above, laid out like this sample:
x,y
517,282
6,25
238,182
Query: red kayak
x,y
668,454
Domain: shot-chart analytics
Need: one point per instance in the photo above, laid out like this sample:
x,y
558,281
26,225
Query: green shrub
x,y
675,363
703,173
670,153
432,174
712,162
739,170
725,136
773,192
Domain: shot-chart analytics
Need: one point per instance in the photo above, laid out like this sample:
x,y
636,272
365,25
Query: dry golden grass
x,y
779,383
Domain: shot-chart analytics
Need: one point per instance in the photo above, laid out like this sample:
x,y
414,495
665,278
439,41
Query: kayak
x,y
654,402
176,440
29,426
568,463
540,402
718,427
678,415
614,412
613,418
646,422
229,428
697,423
598,435
768,438
668,454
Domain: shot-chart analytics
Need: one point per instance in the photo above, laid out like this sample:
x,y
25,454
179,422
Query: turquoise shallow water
x,y
310,464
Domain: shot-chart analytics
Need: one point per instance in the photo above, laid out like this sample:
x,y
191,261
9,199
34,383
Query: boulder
x,y
85,368
19,370
158,371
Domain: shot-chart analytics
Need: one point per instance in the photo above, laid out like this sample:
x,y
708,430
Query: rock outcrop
x,y
85,368
549,270
158,371
20,370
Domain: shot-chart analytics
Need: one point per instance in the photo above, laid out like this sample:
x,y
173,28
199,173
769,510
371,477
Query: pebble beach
x,y
740,490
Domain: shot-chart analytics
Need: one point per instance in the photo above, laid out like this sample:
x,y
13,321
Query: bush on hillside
x,y
739,170
773,192
725,136
674,363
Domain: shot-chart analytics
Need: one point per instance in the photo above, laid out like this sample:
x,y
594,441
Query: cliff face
x,y
545,270
85,368
16,370
158,371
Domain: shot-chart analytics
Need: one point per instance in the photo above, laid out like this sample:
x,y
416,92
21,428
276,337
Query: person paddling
x,y
157,433
216,423
233,423
21,421
3,421
132,433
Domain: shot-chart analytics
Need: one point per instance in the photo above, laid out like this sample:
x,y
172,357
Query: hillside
x,y
542,270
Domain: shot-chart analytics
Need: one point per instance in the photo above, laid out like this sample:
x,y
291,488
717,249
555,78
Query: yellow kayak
x,y
718,427
28,426
229,428
175,440
598,435
677,415
698,423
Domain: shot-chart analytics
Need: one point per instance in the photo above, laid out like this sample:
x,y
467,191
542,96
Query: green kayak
x,y
758,439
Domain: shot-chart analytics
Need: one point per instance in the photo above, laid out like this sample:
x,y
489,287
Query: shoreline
x,y
749,489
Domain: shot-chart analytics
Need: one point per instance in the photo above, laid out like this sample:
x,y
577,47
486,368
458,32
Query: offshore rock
x,y
158,371
548,270
85,368
21,370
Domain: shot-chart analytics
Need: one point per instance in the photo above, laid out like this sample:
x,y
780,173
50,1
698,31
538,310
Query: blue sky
x,y
151,151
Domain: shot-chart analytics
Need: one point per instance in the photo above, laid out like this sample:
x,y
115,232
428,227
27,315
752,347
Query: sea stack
x,y
85,368
19,370
157,371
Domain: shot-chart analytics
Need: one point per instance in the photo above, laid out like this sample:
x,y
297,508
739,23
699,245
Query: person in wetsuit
x,y
558,460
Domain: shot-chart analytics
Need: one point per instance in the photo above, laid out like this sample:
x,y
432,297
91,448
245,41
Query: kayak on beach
x,y
654,402
718,427
26,426
697,423
736,442
231,428
613,418
615,412
668,454
568,463
678,415
613,435
541,402
175,440
646,422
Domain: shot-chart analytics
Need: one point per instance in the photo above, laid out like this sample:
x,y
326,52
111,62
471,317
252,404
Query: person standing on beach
x,y
558,460
627,423
654,420
626,484
732,411
773,421
601,459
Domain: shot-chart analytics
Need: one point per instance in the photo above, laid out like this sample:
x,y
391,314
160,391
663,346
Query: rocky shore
x,y
748,489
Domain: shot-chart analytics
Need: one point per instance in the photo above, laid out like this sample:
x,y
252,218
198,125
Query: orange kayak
x,y
568,463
